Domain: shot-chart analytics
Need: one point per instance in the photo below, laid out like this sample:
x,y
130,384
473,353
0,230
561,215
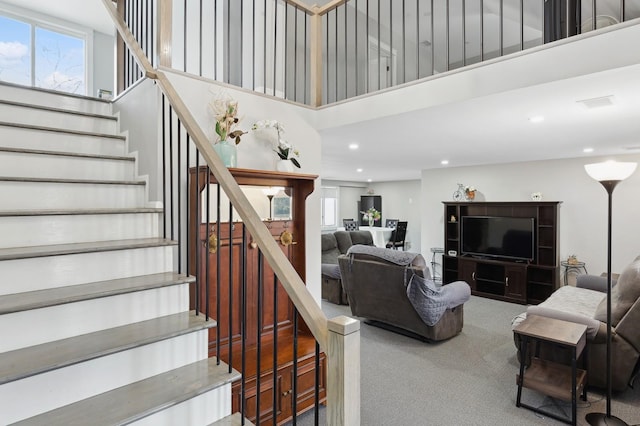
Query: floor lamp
x,y
609,174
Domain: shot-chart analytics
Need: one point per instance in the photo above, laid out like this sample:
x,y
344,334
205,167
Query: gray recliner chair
x,y
393,289
586,304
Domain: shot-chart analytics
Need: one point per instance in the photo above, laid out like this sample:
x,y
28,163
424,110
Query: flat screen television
x,y
500,237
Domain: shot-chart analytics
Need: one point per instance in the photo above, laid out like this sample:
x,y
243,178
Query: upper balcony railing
x,y
346,48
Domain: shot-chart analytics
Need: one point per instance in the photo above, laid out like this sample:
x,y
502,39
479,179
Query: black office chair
x,y
391,223
350,225
398,236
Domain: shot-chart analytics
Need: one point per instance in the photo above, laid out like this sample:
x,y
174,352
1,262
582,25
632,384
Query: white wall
x,y
139,112
583,212
256,151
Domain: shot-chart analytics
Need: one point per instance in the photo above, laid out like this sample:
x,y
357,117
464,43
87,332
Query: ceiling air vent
x,y
597,102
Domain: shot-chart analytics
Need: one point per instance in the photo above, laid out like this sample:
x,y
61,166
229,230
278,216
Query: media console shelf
x,y
520,282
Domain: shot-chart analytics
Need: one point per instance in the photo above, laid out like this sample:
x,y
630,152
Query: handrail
x,y
289,278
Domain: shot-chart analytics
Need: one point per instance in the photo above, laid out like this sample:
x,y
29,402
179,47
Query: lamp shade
x,y
610,170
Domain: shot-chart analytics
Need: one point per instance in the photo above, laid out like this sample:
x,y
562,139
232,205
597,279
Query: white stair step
x,y
15,162
158,400
40,193
45,377
233,420
18,112
26,269
51,98
42,316
31,228
51,139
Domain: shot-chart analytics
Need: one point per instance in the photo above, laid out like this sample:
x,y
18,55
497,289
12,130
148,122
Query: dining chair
x,y
350,225
391,223
398,236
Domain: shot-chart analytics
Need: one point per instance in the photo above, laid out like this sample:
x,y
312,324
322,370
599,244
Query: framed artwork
x,y
281,206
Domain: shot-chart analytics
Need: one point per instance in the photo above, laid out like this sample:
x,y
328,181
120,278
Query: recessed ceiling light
x,y
353,146
369,180
359,170
587,150
444,162
536,119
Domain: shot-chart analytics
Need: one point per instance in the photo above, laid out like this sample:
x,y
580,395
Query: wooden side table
x,y
551,378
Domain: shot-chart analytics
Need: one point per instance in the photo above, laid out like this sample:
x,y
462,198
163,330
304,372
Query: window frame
x,y
51,23
323,197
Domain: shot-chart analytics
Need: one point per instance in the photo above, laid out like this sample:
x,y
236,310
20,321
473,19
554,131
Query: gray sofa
x,y
586,304
392,289
333,245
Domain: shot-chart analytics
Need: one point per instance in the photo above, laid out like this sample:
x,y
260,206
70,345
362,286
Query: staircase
x,y
95,323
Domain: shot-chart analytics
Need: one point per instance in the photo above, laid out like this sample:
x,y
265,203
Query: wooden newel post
x,y
343,372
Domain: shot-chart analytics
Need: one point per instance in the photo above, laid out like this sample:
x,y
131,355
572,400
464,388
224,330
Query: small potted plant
x,y
288,155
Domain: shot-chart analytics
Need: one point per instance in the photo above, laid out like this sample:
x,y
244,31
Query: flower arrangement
x,y
225,111
284,149
371,215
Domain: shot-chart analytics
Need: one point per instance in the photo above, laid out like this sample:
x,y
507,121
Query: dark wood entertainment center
x,y
502,279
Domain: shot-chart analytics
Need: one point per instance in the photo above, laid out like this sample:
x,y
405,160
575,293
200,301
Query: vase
x,y
471,195
284,166
227,152
371,221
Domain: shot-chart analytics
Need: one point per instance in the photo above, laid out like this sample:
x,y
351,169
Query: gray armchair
x,y
586,304
393,290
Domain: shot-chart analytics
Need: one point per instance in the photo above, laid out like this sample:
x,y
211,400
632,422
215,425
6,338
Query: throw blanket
x,y
398,257
431,302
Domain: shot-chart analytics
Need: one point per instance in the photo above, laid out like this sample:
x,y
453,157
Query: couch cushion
x,y
330,250
361,237
331,270
623,295
344,240
328,241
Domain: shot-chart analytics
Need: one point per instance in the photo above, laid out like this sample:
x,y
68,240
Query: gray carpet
x,y
467,380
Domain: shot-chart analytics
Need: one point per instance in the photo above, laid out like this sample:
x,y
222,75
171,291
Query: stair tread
x,y
68,131
26,362
60,110
232,420
69,212
67,154
138,400
61,180
13,253
17,302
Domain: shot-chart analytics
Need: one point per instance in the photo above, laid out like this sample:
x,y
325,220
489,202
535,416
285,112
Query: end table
x,y
551,378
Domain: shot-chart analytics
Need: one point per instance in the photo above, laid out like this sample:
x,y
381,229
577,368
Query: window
x,y
329,203
32,54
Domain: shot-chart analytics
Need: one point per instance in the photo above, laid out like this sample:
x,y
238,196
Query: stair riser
x,y
23,275
16,137
201,410
23,231
36,326
42,98
19,164
37,394
55,195
55,119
